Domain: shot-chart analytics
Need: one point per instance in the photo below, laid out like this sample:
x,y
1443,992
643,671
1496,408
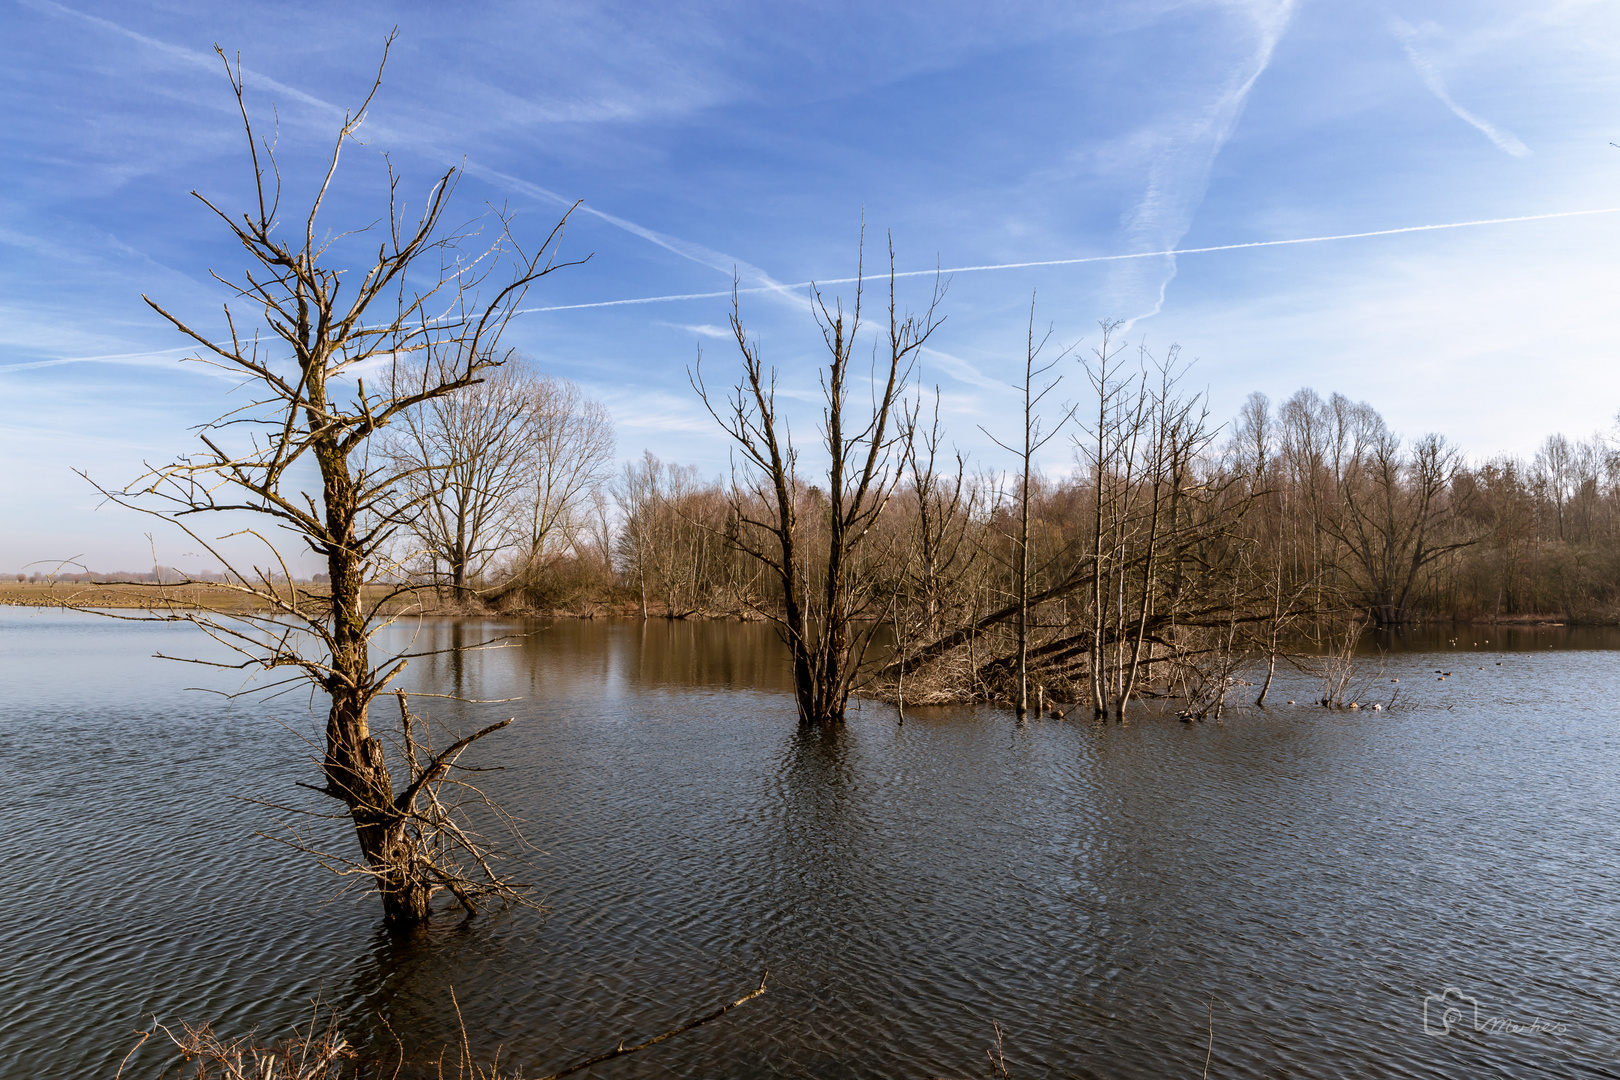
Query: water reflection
x,y
1485,638
1088,887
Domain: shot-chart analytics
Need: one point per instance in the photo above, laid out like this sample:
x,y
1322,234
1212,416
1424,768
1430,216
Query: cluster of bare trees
x,y
499,480
1408,529
1158,564
1165,557
1363,515
1101,587
675,543
1164,561
1549,530
1093,589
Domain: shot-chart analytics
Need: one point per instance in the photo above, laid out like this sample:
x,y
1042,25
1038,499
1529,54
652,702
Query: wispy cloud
x,y
1182,154
187,56
961,370
715,260
652,411
708,330
1408,35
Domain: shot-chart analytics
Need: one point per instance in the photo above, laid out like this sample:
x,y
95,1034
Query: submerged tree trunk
x,y
827,626
411,841
355,765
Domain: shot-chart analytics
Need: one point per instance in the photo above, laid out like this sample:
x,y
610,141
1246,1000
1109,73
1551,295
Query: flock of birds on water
x,y
1378,706
1041,699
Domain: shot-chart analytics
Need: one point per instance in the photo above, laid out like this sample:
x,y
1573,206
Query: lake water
x,y
1306,880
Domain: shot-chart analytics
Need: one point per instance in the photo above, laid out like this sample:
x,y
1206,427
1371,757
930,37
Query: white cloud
x,y
1505,140
708,330
187,56
1181,152
961,370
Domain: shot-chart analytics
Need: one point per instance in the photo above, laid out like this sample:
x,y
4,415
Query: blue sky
x,y
711,138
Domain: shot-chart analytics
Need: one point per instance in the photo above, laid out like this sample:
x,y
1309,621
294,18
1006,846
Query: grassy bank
x,y
143,597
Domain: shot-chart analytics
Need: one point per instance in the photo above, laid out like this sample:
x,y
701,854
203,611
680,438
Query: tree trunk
x,y
1023,584
355,767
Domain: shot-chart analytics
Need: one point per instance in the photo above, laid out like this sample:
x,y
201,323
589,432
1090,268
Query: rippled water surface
x,y
1301,878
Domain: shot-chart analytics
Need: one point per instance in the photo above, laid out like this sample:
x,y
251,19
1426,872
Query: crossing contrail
x,y
1084,259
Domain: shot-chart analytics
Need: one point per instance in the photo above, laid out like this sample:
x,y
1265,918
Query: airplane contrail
x,y
136,359
428,148
1083,259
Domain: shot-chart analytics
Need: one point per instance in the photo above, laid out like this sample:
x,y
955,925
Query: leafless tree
x,y
1556,463
569,440
829,607
939,549
1108,452
1253,452
1035,435
305,330
1386,513
462,459
636,492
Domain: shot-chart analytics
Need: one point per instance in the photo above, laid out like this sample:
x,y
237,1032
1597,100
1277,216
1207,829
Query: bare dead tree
x,y
1035,436
829,607
427,310
946,502
939,553
437,807
1109,454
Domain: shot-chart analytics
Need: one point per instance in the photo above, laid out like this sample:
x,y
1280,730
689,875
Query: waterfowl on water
x,y
1377,707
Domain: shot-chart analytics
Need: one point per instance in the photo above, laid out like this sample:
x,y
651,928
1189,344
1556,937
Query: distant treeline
x,y
1319,490
1170,552
163,575
158,575
1316,494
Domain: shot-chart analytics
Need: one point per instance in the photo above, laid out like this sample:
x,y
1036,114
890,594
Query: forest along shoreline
x,y
120,593
1312,648
1176,559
